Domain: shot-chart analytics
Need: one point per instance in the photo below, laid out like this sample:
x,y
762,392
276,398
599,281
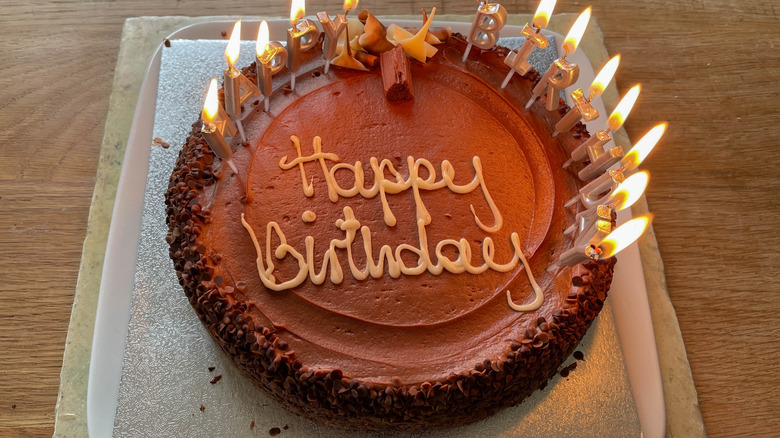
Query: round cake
x,y
357,268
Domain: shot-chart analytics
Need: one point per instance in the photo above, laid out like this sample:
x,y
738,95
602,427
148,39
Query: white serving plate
x,y
628,295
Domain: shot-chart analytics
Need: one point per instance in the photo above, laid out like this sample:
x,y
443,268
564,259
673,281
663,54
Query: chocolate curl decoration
x,y
396,74
374,37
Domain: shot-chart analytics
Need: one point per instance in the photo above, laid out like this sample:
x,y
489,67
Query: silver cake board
x,y
165,388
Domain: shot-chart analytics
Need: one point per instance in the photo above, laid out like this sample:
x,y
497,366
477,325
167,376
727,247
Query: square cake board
x,y
137,33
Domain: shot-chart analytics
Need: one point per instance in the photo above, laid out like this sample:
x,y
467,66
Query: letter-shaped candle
x,y
490,18
300,38
216,125
582,108
601,248
562,73
238,89
596,191
518,60
626,194
593,148
271,57
333,29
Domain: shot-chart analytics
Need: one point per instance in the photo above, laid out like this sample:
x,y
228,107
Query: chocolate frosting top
x,y
413,328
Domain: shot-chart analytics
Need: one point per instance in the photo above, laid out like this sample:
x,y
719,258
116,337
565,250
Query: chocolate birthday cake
x,y
380,259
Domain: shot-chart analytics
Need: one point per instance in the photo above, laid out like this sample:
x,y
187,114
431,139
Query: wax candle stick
x,y
333,29
348,5
238,89
518,60
488,20
603,161
561,73
582,108
593,148
300,38
622,237
216,126
271,57
584,249
606,247
626,194
600,188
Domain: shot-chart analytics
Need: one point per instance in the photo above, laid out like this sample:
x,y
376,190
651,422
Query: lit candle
x,y
583,249
271,57
300,38
238,89
582,108
489,19
216,125
518,60
562,73
622,237
348,5
600,188
603,248
333,29
593,148
626,194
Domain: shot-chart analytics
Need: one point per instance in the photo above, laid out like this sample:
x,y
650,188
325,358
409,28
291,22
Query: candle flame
x,y
234,45
623,108
575,33
297,11
350,5
629,191
624,236
262,39
642,148
211,106
543,13
604,77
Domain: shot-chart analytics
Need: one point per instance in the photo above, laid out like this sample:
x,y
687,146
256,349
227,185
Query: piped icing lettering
x,y
382,186
387,259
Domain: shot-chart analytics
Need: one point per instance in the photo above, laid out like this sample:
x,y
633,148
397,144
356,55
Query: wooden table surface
x,y
711,68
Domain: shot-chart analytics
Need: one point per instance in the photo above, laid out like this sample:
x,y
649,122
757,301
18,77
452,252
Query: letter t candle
x,y
582,108
300,38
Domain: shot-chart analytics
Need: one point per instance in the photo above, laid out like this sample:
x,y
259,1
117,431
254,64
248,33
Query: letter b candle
x,y
490,18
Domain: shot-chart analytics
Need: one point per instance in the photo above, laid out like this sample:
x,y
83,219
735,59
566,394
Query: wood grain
x,y
710,68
